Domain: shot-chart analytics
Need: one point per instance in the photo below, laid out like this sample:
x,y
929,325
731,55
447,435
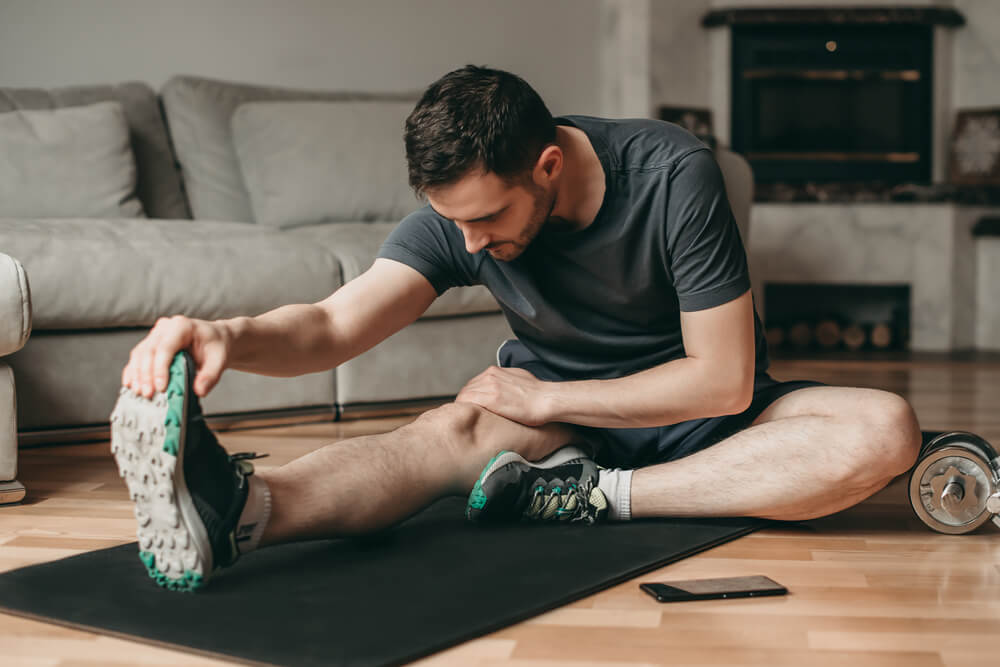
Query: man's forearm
x,y
284,342
673,392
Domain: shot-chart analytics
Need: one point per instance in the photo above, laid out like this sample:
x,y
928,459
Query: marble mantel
x,y
929,247
889,15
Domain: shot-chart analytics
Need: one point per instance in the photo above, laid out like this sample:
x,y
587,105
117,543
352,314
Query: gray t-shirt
x,y
605,301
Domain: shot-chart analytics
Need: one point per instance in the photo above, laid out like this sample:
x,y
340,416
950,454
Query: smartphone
x,y
713,589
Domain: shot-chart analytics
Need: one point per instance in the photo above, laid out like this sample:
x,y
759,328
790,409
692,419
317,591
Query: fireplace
x,y
900,254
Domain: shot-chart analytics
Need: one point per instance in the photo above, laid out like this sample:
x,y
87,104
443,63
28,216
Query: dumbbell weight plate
x,y
951,483
970,441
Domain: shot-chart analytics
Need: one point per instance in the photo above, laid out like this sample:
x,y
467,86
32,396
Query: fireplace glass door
x,y
849,103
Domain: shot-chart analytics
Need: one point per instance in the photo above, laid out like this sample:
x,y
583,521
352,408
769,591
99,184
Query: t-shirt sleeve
x,y
426,242
706,253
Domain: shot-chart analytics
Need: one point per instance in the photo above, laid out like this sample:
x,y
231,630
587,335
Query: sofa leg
x,y
11,492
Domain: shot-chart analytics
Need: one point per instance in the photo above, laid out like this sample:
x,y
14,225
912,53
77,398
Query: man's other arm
x,y
716,378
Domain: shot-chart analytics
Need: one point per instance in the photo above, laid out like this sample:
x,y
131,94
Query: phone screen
x,y
709,589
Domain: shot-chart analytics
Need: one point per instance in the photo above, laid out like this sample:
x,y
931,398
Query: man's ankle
x,y
256,515
616,484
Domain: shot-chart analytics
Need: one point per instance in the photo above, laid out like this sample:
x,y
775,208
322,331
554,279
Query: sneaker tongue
x,y
568,474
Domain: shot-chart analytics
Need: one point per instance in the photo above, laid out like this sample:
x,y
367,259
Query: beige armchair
x,y
15,327
737,174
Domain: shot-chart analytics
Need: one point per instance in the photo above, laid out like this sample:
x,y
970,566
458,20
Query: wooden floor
x,y
869,586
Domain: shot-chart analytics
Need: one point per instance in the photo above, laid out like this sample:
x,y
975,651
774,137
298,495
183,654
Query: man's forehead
x,y
473,197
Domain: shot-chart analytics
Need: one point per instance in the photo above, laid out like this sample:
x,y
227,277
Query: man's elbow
x,y
738,398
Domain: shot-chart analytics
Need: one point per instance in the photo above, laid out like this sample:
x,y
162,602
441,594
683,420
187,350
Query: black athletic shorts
x,y
637,447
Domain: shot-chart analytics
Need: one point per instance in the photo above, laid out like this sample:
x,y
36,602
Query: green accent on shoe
x,y
172,439
477,499
175,404
175,409
177,370
186,584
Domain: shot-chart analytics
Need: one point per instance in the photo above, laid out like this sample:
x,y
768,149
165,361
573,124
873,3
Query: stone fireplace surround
x,y
866,235
926,246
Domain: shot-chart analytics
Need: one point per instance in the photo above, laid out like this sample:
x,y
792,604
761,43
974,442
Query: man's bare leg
x,y
364,484
811,453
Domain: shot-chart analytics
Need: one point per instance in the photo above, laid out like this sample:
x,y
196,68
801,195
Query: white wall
x,y
681,69
977,55
370,45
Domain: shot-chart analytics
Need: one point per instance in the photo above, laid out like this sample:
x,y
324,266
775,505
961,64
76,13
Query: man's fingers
x,y
161,365
209,373
174,339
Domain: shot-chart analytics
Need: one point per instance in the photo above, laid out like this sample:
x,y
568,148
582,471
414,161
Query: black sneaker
x,y
187,513
560,487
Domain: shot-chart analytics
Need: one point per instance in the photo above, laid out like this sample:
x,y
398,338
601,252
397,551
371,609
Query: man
x,y
611,248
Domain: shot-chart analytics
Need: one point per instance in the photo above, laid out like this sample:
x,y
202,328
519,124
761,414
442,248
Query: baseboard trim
x,y
390,408
235,421
231,421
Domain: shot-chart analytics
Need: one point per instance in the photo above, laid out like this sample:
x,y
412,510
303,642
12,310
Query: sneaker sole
x,y
478,498
147,440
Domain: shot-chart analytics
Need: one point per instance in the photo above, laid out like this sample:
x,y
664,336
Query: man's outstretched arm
x,y
287,341
716,378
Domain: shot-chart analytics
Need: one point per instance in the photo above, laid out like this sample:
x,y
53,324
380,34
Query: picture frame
x,y
975,147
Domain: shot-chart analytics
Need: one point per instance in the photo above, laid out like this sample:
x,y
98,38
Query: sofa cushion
x,y
199,112
356,244
62,163
93,273
158,183
309,162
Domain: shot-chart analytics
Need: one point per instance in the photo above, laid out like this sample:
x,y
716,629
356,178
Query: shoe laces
x,y
243,466
571,503
242,460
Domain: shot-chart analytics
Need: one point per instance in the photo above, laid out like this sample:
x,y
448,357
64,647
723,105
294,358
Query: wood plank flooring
x,y
869,586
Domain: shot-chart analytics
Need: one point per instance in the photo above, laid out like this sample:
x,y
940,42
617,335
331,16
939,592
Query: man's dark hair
x,y
471,118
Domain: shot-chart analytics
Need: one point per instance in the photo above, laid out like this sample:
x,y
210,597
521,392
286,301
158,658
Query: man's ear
x,y
548,166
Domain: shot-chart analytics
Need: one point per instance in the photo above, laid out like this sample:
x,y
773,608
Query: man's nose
x,y
474,241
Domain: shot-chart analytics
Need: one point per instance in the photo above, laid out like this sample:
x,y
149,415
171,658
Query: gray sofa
x,y
211,248
98,285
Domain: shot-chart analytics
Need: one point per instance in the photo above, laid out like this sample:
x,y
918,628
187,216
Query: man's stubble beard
x,y
544,204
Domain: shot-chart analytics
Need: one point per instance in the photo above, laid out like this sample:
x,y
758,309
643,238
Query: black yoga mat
x,y
433,581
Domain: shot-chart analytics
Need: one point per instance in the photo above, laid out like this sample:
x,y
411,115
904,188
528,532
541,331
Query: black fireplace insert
x,y
833,102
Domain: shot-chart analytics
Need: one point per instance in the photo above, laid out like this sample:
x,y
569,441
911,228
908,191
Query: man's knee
x,y
894,436
467,427
457,424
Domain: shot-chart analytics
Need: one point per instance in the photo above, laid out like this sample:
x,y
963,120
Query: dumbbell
x,y
955,485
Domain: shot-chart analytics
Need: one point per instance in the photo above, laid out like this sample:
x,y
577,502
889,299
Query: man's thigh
x,y
827,401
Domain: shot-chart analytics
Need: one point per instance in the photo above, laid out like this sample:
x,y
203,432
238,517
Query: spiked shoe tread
x,y
147,441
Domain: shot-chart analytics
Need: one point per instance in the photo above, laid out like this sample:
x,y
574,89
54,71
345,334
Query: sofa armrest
x,y
15,306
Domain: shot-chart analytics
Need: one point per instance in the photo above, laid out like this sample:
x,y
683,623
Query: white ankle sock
x,y
617,487
253,519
